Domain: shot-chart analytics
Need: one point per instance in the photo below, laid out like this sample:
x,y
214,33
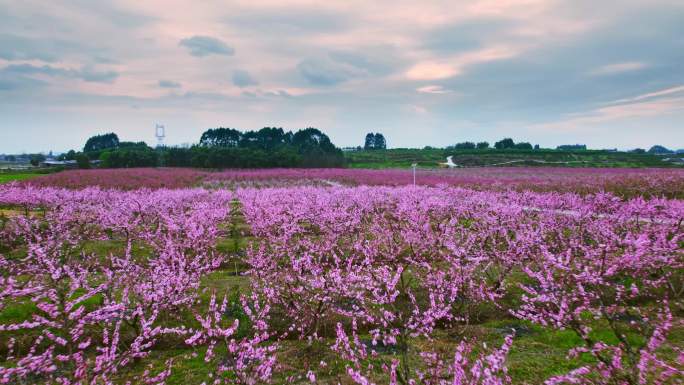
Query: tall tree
x,y
370,142
658,149
379,142
312,138
465,146
101,142
504,144
221,137
523,146
270,138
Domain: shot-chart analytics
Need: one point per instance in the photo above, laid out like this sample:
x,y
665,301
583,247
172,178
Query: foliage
x,y
523,146
571,147
101,142
221,137
430,157
130,145
504,144
375,141
70,155
268,147
36,159
82,161
466,146
128,157
657,149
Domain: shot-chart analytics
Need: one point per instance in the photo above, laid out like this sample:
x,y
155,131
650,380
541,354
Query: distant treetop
x,y
571,147
504,144
658,149
101,142
375,141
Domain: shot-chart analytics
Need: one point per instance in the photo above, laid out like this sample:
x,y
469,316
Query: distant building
x,y
59,163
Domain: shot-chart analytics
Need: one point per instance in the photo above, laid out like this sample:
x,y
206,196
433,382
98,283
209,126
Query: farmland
x,y
623,182
6,177
429,157
494,276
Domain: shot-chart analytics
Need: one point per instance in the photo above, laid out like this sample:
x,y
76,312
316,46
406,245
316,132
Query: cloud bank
x,y
424,73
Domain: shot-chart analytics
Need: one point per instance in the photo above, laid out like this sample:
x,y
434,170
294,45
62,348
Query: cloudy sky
x,y
605,73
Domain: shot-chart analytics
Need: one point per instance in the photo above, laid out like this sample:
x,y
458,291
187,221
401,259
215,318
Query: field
x,y
494,276
6,177
403,158
623,182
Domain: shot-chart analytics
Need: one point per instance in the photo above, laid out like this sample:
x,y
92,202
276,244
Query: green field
x,y
6,177
404,157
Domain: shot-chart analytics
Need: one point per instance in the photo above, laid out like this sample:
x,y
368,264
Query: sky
x,y
605,73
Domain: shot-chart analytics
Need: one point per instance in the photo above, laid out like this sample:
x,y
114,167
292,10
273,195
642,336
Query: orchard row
x,y
368,275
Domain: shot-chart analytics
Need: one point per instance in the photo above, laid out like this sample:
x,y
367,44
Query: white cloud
x,y
611,69
615,113
650,95
433,89
350,64
431,71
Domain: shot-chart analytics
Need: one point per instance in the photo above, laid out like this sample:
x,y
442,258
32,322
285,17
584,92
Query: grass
x,y
6,177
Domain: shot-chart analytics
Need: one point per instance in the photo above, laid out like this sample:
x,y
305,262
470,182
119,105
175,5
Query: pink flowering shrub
x,y
623,182
93,315
371,275
395,263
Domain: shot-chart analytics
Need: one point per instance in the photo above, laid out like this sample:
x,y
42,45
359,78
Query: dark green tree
x,y
176,157
123,158
139,145
465,146
221,137
35,159
71,155
101,142
379,142
309,138
269,138
82,160
482,145
572,147
523,146
658,149
369,144
504,144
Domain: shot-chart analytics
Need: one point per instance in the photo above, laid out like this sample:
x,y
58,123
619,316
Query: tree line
x,y
503,144
218,148
265,148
